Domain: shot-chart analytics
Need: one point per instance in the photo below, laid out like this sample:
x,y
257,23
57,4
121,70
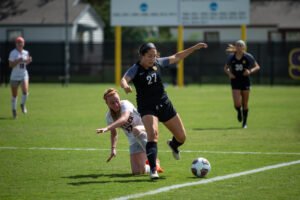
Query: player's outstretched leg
x,y
174,144
176,127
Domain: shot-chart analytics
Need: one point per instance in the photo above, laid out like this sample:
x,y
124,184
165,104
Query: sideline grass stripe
x,y
183,151
211,180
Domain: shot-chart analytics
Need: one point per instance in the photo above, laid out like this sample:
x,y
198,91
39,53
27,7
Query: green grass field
x,y
67,118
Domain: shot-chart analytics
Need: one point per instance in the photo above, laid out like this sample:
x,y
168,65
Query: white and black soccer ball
x,y
200,167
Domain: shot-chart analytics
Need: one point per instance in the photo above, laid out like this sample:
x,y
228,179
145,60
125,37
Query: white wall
x,y
226,34
38,34
89,20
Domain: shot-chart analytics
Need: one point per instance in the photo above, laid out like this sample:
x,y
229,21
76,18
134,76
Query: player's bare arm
x,y
254,69
116,124
12,64
228,72
124,84
185,53
114,139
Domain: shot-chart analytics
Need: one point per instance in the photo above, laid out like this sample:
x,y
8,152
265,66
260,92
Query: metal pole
x,y
180,68
67,45
118,54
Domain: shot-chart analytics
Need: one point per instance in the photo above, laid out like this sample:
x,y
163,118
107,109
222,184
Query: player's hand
x,y
29,60
200,46
231,76
101,130
20,60
113,154
246,72
128,89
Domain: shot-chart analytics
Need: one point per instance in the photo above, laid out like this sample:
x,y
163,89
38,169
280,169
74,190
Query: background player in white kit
x,y
124,115
18,60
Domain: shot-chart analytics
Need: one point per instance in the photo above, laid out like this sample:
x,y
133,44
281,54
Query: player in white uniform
x,y
18,60
122,114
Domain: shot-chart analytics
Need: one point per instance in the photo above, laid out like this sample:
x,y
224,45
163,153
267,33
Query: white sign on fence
x,y
179,12
144,12
217,12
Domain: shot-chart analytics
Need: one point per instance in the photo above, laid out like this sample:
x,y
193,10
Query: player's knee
x,y
152,136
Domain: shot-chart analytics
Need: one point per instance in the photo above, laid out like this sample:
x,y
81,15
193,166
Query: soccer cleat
x,y
245,126
23,108
14,113
175,152
154,175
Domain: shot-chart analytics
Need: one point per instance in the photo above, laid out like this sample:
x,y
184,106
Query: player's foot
x,y
175,151
154,175
14,113
23,108
158,167
239,116
244,125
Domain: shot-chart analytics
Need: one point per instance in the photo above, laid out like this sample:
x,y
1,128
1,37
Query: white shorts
x,y
136,148
15,83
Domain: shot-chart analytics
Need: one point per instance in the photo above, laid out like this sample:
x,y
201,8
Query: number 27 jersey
x,y
148,84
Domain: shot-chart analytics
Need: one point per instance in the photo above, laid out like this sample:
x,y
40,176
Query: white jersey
x,y
134,119
19,72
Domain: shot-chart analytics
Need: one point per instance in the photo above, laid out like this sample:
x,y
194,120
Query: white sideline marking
x,y
183,151
218,178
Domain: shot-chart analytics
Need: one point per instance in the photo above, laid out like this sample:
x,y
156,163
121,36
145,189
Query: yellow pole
x,y
244,32
118,54
180,69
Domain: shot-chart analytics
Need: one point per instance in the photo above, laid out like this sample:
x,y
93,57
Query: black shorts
x,y
164,110
240,84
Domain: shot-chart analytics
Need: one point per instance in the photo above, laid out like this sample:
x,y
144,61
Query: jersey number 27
x,y
151,78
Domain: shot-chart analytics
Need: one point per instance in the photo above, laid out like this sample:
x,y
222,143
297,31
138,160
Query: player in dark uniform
x,y
239,66
152,100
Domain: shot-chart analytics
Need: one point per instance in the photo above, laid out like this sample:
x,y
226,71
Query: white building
x,y
277,20
44,21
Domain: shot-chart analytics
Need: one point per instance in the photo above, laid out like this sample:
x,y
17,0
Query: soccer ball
x,y
200,167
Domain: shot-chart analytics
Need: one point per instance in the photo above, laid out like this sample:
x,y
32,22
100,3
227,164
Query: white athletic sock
x,y
24,98
14,103
147,169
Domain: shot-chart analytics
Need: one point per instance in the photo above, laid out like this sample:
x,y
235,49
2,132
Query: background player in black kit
x,y
239,66
152,101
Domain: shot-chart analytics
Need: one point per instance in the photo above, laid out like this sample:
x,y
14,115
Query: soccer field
x,y
53,152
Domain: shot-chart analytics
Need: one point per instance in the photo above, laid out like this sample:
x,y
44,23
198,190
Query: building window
x,y
275,36
211,36
293,36
13,34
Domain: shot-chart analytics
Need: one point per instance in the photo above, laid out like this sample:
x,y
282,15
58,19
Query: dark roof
x,y
282,14
38,12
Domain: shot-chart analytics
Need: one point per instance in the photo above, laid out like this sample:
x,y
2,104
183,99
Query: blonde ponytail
x,y
230,49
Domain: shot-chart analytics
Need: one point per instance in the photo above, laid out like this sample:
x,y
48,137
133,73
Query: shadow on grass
x,y
99,175
95,176
216,129
6,118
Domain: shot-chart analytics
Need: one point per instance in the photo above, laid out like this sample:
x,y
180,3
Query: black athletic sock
x,y
245,116
151,150
175,144
238,109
